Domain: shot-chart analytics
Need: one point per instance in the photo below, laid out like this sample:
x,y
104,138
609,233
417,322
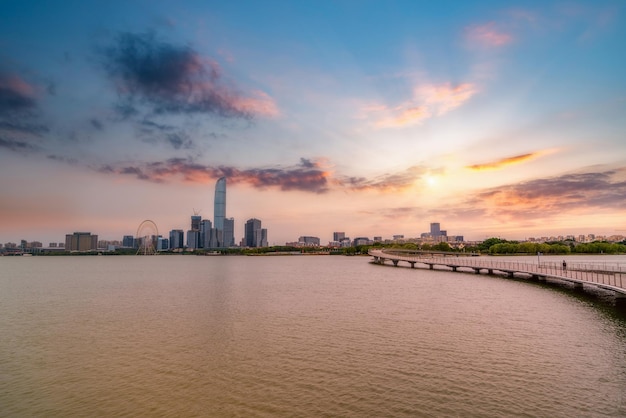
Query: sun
x,y
431,181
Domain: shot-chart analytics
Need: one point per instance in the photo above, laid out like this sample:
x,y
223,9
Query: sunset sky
x,y
370,117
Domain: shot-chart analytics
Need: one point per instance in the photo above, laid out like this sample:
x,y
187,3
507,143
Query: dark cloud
x,y
152,132
551,197
63,159
16,96
19,114
308,178
173,79
305,162
16,145
386,182
97,124
179,140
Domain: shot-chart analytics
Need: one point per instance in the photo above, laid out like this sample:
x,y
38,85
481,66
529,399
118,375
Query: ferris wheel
x,y
147,236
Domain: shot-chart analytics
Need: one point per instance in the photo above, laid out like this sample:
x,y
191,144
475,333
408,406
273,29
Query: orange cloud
x,y
445,97
487,35
405,117
494,165
428,100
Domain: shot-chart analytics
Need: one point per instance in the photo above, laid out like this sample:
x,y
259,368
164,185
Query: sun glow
x,y
431,181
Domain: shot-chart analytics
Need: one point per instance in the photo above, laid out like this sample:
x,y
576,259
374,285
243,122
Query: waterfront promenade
x,y
608,276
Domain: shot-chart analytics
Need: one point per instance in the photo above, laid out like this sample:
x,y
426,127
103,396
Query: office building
x,y
128,241
254,235
435,229
229,233
177,239
338,236
205,233
193,239
81,241
307,241
195,222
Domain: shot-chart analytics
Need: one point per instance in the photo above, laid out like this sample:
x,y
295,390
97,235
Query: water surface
x,y
296,336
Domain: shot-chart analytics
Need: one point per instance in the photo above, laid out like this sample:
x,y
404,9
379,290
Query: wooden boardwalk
x,y
602,275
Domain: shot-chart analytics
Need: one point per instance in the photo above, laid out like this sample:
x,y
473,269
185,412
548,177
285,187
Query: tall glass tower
x,y
219,210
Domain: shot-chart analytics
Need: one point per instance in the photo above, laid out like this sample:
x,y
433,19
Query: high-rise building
x,y
229,232
193,239
338,236
205,233
215,238
195,222
435,229
128,241
81,241
253,233
177,239
219,204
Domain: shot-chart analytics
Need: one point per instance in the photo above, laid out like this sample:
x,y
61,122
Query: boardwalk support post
x,y
395,262
412,264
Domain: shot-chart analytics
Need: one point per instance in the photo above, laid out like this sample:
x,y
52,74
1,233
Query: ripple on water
x,y
296,336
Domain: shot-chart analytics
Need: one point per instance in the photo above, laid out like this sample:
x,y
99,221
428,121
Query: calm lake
x,y
301,336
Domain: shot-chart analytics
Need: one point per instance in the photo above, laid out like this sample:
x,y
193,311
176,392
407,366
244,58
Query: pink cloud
x,y
445,97
17,85
487,35
411,115
259,104
429,100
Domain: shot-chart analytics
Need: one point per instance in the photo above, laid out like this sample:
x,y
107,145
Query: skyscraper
x,y
435,229
219,209
229,233
195,222
177,238
252,230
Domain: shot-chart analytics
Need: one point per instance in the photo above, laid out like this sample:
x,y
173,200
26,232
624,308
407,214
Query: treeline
x,y
558,248
497,246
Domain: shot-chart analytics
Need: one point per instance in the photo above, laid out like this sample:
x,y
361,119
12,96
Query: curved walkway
x,y
609,277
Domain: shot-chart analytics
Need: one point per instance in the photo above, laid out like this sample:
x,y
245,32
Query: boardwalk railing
x,y
605,275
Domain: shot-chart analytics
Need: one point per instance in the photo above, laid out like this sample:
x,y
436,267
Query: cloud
x,y
554,197
442,98
487,35
16,145
428,100
16,95
308,176
19,114
172,79
390,182
494,165
404,116
96,124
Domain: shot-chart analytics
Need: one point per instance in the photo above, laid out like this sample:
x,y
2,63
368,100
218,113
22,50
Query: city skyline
x,y
493,119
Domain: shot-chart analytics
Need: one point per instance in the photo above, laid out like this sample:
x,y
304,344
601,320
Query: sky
x,y
373,118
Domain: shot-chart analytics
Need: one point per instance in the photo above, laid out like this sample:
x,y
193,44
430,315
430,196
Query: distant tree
x,y
486,244
442,246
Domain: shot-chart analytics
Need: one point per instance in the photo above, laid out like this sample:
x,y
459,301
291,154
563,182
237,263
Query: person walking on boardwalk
x,y
564,265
